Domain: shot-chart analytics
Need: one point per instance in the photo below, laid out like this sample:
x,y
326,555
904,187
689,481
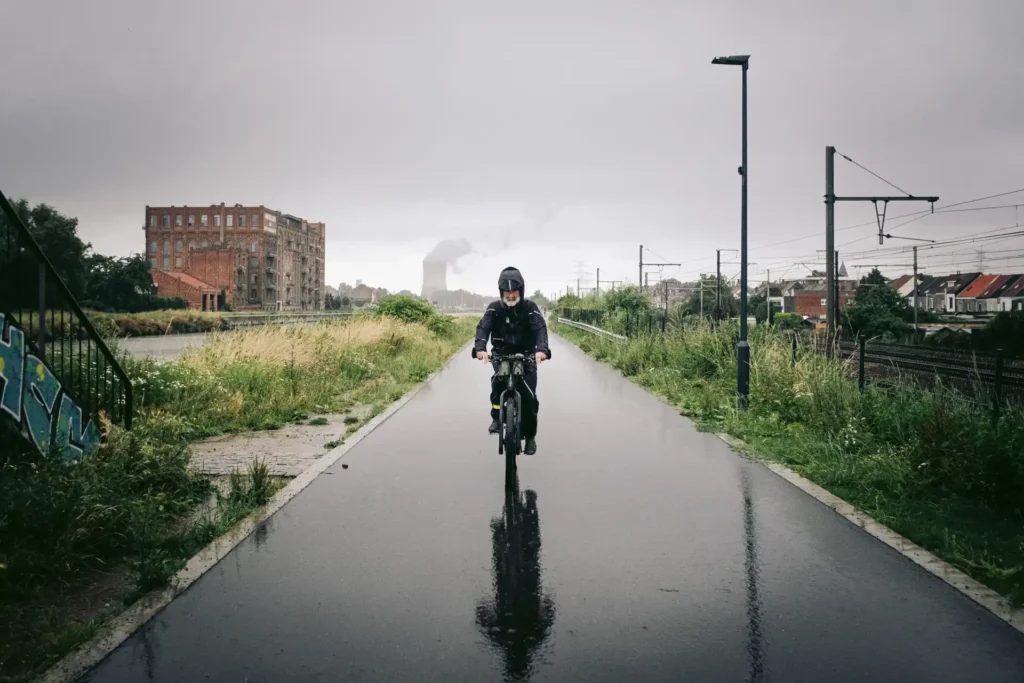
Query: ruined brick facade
x,y
199,295
259,257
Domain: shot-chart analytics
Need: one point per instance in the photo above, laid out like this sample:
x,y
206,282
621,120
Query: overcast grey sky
x,y
553,135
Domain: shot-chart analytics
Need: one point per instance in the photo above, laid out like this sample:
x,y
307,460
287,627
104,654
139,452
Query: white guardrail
x,y
593,330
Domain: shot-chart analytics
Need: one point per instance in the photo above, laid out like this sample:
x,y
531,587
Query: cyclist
x,y
514,325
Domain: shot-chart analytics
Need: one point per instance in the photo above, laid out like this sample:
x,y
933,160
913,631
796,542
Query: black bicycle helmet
x,y
511,280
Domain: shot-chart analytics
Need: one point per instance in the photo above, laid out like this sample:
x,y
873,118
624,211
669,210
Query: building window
x,y
178,247
255,220
216,221
253,278
152,262
192,246
241,220
204,244
241,244
230,220
167,222
152,221
167,262
203,220
253,246
167,247
177,262
153,247
252,294
191,220
177,220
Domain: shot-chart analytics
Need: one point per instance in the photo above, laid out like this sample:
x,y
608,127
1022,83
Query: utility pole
x,y
832,307
640,275
598,282
768,293
835,286
641,281
718,285
916,329
577,287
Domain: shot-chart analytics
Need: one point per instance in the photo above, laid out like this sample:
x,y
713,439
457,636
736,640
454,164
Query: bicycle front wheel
x,y
511,434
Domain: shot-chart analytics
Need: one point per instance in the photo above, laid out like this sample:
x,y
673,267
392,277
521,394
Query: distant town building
x,y
252,256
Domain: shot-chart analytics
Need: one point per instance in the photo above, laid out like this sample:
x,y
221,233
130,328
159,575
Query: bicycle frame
x,y
512,369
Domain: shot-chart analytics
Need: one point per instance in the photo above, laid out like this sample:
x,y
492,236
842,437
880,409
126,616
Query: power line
x,y
925,212
872,173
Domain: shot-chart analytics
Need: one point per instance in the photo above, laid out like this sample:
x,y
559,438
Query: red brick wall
x,y
215,267
809,302
168,286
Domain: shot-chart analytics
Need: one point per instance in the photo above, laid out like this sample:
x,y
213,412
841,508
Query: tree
x,y
346,302
709,284
123,284
878,310
870,284
629,299
758,307
57,235
541,300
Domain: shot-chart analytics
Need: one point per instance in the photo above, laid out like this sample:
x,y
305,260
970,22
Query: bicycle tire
x,y
511,432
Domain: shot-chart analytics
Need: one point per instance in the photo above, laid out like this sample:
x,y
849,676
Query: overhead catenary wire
x,y
873,173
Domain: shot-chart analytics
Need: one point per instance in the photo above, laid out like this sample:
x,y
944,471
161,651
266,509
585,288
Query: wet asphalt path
x,y
641,550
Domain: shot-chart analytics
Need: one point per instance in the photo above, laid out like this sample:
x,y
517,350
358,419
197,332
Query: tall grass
x,y
263,377
932,464
131,505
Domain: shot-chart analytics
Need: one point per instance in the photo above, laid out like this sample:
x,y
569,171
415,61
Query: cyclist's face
x,y
510,298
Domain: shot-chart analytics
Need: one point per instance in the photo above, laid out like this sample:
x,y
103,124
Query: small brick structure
x,y
199,295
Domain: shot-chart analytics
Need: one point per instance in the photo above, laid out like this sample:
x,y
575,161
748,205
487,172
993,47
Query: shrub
x,y
405,308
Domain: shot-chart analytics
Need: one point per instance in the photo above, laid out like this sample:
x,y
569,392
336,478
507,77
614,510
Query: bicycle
x,y
510,415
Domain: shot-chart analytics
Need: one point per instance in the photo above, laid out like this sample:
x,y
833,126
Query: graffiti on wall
x,y
33,398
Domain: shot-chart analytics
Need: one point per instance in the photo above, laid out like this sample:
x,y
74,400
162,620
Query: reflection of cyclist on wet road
x,y
518,619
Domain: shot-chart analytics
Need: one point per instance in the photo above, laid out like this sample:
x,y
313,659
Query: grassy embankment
x,y
932,466
156,323
79,543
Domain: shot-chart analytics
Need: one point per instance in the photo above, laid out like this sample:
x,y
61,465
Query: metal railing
x,y
38,307
624,323
592,329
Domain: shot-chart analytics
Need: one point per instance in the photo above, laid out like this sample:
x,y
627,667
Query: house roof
x,y
950,284
979,285
1015,290
997,286
900,281
189,280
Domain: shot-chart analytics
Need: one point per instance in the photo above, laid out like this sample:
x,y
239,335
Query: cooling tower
x,y
435,278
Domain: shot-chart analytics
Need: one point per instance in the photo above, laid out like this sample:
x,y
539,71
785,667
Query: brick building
x,y
199,295
258,258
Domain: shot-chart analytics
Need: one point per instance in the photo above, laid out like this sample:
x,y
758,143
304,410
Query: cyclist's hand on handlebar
x,y
482,355
541,356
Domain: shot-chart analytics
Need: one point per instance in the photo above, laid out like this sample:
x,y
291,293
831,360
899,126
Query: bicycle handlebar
x,y
515,356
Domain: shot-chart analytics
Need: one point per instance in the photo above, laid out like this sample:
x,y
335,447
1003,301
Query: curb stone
x,y
995,603
120,628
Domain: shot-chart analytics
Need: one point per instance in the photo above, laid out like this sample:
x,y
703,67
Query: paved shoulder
x,y
634,549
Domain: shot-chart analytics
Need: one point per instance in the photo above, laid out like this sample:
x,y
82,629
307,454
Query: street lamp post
x,y
743,348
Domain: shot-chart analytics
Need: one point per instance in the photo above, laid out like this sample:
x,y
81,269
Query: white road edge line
x,y
120,628
975,590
